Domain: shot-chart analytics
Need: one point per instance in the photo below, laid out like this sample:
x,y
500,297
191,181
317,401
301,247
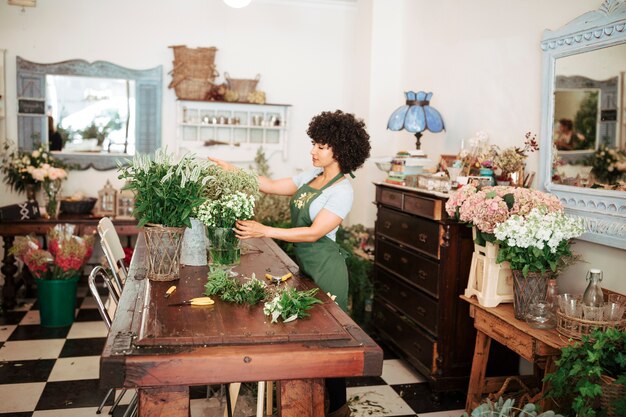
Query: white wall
x,y
481,59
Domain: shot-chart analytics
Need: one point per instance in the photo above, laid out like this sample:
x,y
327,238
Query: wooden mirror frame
x,y
31,88
604,211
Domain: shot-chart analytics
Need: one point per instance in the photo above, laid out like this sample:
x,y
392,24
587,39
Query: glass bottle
x,y
593,295
552,294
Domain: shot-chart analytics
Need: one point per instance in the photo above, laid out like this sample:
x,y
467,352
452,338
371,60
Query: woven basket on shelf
x,y
576,328
242,87
611,392
194,72
191,89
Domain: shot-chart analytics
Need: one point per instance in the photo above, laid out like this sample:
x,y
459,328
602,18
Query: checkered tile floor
x,y
54,373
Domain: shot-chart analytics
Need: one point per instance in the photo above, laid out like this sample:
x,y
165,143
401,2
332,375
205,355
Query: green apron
x,y
322,260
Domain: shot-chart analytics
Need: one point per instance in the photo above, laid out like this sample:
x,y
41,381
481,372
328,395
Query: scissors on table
x,y
198,301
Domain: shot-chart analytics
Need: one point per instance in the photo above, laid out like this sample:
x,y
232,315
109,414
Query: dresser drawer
x,y
413,342
412,267
389,197
409,300
423,206
418,233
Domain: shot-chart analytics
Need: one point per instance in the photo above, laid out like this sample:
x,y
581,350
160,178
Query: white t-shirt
x,y
337,198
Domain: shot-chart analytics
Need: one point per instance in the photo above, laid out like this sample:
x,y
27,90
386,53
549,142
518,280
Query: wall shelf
x,y
231,131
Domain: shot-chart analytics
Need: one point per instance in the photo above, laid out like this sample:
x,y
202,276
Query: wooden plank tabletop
x,y
505,313
153,344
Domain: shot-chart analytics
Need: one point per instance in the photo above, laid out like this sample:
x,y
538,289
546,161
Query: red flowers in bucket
x,y
65,257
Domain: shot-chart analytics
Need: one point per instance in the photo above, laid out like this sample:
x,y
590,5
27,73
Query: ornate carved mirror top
x,y
89,114
583,157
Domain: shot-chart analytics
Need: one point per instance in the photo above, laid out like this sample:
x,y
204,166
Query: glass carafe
x,y
593,295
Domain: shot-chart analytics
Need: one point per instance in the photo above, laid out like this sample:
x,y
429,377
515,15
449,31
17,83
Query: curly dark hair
x,y
345,134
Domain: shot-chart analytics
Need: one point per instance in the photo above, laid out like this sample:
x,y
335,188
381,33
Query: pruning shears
x,y
275,279
198,301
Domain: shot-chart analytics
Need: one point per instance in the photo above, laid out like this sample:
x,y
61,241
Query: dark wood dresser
x,y
421,267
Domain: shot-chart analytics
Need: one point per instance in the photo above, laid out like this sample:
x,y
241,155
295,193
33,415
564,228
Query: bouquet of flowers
x,y
608,165
64,259
538,241
513,159
490,206
225,211
24,169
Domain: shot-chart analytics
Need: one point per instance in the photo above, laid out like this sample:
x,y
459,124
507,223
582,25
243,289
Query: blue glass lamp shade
x,y
416,116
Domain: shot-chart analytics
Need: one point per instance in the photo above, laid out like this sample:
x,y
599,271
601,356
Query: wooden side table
x,y
540,347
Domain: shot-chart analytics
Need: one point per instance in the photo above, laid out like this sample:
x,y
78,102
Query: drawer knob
x,y
404,260
422,274
391,196
386,256
417,347
421,311
387,224
403,294
386,288
399,328
422,237
501,334
404,226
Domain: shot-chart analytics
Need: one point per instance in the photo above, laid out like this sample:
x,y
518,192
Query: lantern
x,y
125,204
106,200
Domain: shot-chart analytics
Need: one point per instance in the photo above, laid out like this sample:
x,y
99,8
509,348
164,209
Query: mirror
x,y
583,157
89,114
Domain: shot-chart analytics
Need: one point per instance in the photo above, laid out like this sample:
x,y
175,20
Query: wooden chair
x,y
100,272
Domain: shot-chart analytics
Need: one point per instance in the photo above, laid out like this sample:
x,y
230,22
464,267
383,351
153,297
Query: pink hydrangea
x,y
484,209
457,199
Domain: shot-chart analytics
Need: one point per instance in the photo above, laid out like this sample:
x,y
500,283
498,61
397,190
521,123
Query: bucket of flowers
x,y
56,271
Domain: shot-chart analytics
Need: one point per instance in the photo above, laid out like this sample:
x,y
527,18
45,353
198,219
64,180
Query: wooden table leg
x,y
9,269
300,398
164,402
547,403
479,367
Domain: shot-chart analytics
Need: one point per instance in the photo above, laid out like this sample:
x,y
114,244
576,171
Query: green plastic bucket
x,y
57,301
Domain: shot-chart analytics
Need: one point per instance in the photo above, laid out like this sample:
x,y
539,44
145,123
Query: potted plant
x,y
590,378
56,271
166,195
534,245
506,408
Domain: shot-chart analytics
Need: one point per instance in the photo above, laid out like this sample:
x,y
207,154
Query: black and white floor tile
x,y
54,373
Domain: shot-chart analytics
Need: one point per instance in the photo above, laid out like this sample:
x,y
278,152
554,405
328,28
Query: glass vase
x,y
52,188
224,246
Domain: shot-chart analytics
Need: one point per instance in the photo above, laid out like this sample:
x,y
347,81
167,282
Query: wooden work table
x,y
86,224
162,349
539,347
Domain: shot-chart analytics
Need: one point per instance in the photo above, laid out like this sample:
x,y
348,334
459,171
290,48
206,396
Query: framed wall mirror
x,y
89,114
583,157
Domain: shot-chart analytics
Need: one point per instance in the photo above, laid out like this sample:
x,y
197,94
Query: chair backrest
x,y
112,248
100,272
104,224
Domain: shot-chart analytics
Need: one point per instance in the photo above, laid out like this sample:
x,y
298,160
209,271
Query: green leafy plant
x,y
291,304
166,192
506,408
578,377
223,182
23,169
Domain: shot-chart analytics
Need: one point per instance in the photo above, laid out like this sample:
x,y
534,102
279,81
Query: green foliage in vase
x,y
221,182
166,192
577,379
506,408
270,209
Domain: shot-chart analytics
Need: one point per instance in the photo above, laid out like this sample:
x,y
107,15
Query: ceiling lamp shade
x,y
237,4
416,116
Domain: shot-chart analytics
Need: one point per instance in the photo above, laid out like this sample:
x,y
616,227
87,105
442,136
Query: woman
x,y
567,139
321,199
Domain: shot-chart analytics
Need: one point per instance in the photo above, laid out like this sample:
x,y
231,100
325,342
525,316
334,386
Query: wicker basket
x,y
576,328
191,89
611,392
163,247
242,87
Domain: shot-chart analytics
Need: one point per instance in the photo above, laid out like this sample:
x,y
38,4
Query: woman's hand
x,y
248,229
222,164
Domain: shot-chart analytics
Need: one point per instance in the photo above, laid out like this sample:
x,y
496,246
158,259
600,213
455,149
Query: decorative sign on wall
x,y
31,106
